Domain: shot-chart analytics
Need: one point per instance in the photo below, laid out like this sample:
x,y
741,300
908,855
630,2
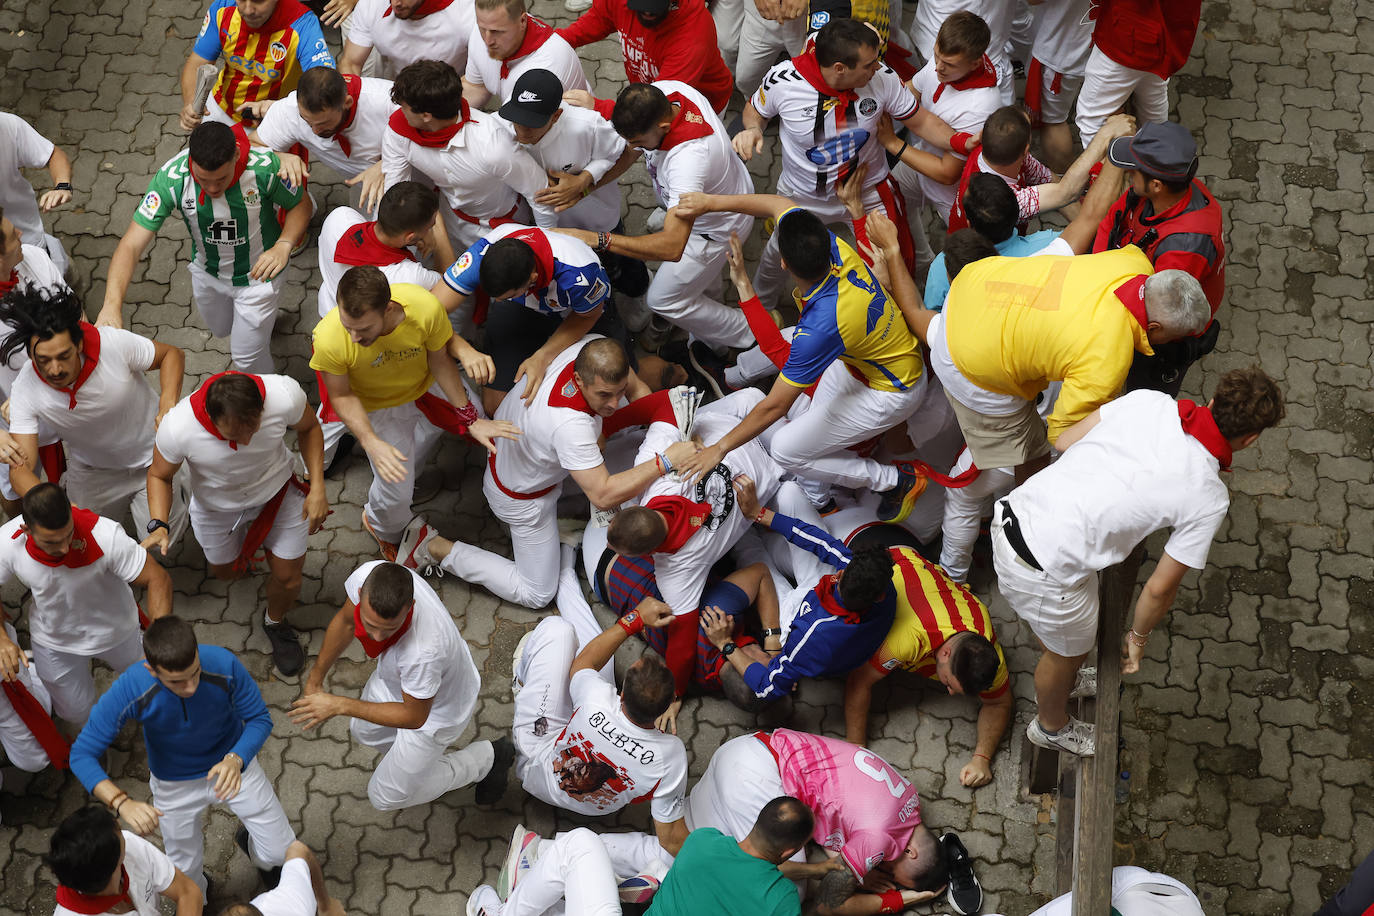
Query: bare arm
x,y
353,57
750,139
1078,430
325,904
599,651
858,696
772,408
476,94
608,491
170,363
763,206
184,893
1156,597
665,245
157,588
315,709
60,168
310,441
189,118
1082,231
160,474
671,836
1053,196
882,233
337,636
130,250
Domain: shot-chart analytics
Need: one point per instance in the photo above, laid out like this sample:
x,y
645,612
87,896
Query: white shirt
x,y
85,610
708,164
225,479
21,147
963,110
627,763
431,660
438,36
682,575
1134,473
335,225
811,167
553,441
150,873
111,425
1063,36
283,126
481,170
1136,892
554,55
581,140
294,895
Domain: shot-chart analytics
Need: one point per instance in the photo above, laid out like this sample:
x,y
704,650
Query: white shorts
x,y
1063,616
220,533
1057,94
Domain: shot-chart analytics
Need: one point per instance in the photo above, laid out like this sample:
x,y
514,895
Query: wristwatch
x,y
157,523
772,631
62,186
727,649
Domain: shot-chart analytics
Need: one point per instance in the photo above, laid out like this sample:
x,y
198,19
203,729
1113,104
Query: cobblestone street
x,y
1249,731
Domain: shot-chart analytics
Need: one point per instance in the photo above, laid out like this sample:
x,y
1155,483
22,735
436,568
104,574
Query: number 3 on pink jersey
x,y
873,766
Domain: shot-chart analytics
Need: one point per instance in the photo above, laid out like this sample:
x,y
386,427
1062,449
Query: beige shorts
x,y
1002,442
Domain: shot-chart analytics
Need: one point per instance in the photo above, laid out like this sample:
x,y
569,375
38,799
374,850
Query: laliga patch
x,y
463,262
819,19
150,204
277,50
890,665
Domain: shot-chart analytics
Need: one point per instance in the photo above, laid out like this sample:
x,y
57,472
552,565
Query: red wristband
x,y
959,142
467,415
631,623
891,901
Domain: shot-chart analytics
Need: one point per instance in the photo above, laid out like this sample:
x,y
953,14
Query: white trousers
x,y
1062,615
183,804
1106,87
68,678
542,702
684,292
729,16
531,579
21,747
409,432
417,766
244,314
761,41
573,868
112,492
843,412
770,278
964,511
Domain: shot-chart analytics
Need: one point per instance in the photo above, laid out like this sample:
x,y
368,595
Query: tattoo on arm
x,y
837,887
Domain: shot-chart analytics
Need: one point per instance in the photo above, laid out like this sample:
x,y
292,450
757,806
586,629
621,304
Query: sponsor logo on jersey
x,y
819,19
277,50
150,204
839,149
252,67
224,233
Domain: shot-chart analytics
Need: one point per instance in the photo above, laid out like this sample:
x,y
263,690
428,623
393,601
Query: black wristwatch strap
x,y
156,523
62,186
727,649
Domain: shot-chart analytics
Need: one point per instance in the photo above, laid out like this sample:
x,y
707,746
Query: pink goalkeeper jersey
x,y
865,810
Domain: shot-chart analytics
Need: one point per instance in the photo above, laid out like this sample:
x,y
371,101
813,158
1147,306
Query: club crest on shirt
x,y
78,545
277,50
716,490
691,117
868,107
250,197
569,389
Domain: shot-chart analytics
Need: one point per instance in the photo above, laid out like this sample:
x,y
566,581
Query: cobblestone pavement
x,y
1248,731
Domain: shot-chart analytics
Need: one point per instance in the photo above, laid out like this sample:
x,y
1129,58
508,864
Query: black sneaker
x,y
287,654
492,786
710,366
965,895
896,504
271,877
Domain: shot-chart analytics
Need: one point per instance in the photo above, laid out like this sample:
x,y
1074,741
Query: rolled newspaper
x,y
205,81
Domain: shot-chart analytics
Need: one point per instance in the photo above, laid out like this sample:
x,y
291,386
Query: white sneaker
x,y
1078,737
577,6
484,902
519,653
685,400
413,551
524,852
655,221
1085,685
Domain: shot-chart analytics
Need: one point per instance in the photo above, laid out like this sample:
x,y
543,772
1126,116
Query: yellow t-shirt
x,y
1013,325
395,369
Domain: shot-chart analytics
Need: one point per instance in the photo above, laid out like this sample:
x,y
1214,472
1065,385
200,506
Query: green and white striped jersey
x,y
231,231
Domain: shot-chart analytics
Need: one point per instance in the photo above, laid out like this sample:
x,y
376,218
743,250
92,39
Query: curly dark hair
x,y
1246,401
38,313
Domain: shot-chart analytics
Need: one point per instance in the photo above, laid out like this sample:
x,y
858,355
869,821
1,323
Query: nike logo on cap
x,y
527,96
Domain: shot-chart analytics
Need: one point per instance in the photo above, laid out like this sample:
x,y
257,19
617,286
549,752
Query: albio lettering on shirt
x,y
394,356
619,740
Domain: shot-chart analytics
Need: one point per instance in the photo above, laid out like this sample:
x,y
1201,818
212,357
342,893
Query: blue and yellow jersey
x,y
262,63
848,316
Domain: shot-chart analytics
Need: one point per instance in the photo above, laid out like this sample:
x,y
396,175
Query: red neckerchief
x,y
287,12
688,125
84,550
537,31
354,86
683,516
434,139
198,403
360,245
90,355
240,164
1132,295
1199,423
424,9
829,597
543,255
78,902
565,392
810,69
10,283
371,646
982,76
